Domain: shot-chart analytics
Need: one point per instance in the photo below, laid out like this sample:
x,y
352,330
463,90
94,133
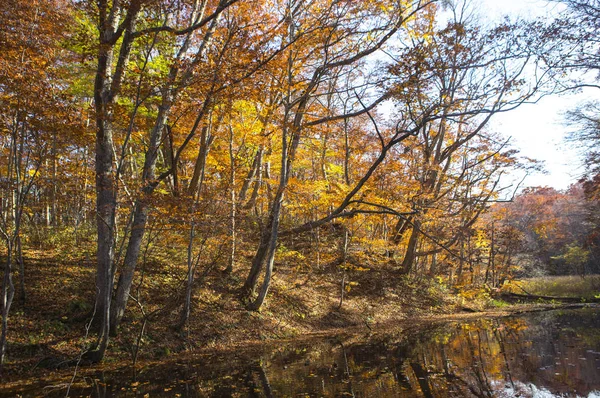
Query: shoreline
x,y
40,377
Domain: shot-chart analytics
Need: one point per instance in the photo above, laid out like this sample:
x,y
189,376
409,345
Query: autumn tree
x,y
338,42
570,42
446,83
221,127
186,34
35,110
554,229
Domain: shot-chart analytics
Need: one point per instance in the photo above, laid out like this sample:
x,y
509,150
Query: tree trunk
x,y
8,293
268,241
344,252
104,277
257,261
106,211
138,228
107,86
490,264
205,141
264,380
346,153
257,183
423,379
459,273
270,253
106,194
266,249
433,266
141,215
187,305
399,229
233,206
21,262
54,217
411,250
253,173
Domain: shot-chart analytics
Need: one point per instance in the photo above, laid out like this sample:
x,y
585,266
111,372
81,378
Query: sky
x,y
539,130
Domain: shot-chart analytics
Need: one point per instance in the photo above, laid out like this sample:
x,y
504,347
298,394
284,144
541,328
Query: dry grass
x,y
558,286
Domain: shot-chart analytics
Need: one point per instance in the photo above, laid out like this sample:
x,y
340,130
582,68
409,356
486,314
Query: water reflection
x,y
544,354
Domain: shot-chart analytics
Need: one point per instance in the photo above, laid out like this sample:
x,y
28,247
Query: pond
x,y
546,354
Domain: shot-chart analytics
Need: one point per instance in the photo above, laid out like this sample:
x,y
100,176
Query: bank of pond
x,y
541,354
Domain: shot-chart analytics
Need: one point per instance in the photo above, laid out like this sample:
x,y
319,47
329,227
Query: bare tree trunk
x,y
129,264
264,380
344,250
47,201
269,252
106,210
433,266
205,141
323,157
54,216
422,378
21,262
342,289
257,183
233,208
459,273
191,263
140,217
106,204
106,189
268,241
411,250
490,264
257,261
266,249
253,173
398,232
187,305
8,293
346,153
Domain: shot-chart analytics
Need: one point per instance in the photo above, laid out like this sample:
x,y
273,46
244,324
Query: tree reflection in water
x,y
557,353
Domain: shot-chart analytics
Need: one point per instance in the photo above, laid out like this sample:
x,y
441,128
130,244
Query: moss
x,y
499,303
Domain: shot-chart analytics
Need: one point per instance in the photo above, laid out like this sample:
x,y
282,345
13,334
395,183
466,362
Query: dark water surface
x,y
545,354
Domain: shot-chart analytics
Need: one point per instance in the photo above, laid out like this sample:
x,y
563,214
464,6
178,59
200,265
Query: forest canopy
x,y
238,138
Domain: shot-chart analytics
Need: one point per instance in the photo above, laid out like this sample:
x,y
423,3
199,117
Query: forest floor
x,y
303,301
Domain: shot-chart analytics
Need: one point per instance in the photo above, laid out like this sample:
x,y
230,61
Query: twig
x,y
84,350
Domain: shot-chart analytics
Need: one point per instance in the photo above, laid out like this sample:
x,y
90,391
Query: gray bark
x,y
140,218
105,213
148,173
187,305
8,293
257,261
233,205
106,88
205,141
269,253
263,169
21,262
252,174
